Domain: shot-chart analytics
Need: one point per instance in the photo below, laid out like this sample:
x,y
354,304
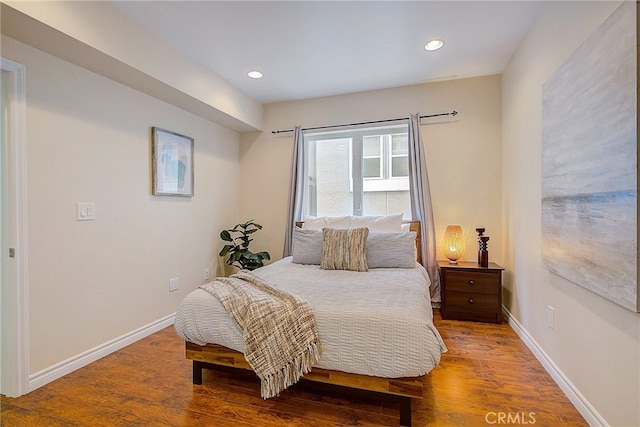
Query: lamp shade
x,y
453,243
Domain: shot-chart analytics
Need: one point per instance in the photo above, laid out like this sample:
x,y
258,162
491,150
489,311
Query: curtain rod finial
x,y
453,113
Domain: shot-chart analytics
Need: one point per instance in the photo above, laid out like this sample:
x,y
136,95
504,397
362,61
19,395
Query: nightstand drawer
x,y
467,301
471,281
471,292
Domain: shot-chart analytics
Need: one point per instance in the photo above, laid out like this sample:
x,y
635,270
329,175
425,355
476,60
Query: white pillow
x,y
320,222
378,224
391,250
307,246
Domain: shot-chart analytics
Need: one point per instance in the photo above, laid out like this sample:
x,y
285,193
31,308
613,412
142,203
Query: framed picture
x,y
172,163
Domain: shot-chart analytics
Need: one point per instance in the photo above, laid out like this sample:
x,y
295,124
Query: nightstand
x,y
471,292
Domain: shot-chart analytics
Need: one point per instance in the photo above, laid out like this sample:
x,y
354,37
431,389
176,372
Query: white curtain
x,y
421,208
296,185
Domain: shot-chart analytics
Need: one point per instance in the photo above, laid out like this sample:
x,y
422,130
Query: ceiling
x,y
308,49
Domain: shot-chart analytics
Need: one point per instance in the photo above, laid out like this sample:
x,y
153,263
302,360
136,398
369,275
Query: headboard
x,y
413,226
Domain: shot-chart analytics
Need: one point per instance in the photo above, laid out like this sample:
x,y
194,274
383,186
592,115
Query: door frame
x,y
14,322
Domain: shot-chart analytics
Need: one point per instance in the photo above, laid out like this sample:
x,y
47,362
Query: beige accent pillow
x,y
344,249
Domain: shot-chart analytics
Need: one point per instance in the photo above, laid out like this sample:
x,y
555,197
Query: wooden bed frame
x,y
402,390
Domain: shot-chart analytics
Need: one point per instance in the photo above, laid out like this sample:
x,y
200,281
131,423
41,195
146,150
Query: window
x,y
362,171
372,157
399,156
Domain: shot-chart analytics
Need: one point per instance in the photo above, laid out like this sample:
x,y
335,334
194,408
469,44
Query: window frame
x,y
355,136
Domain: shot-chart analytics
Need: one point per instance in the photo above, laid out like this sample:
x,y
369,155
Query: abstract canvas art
x,y
172,163
589,163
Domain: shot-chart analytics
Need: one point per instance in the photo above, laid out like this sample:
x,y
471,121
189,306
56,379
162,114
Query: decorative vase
x,y
484,251
479,230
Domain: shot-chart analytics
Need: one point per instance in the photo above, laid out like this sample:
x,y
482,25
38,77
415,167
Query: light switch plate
x,y
86,211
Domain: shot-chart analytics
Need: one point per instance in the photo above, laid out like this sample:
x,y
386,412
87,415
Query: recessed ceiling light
x,y
434,44
255,74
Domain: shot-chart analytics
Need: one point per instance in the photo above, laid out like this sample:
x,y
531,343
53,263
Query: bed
x,y
376,327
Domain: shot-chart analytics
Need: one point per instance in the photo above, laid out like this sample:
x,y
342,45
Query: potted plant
x,y
237,249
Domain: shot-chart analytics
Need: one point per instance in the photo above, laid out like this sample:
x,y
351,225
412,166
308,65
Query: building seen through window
x,y
357,172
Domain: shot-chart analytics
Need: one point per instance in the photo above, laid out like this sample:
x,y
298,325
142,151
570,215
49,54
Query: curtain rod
x,y
452,113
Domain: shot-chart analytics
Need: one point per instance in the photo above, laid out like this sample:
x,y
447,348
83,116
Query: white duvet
x,y
376,323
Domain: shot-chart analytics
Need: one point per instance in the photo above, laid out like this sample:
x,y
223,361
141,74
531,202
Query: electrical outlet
x,y
207,274
85,211
174,284
551,317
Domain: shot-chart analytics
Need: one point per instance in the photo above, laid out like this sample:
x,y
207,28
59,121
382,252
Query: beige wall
x,y
596,343
101,38
463,154
88,140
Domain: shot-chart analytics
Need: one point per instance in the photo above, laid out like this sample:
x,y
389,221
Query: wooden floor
x,y
487,373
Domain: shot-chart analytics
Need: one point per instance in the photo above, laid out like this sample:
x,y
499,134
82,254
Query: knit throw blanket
x,y
281,341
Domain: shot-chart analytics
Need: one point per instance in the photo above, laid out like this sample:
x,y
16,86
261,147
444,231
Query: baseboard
x,y
65,367
579,401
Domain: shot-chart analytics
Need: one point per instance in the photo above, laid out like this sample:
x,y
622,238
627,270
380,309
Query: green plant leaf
x,y
226,236
225,250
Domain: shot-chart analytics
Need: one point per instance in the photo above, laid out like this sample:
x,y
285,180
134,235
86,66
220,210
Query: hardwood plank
x,y
14,415
488,369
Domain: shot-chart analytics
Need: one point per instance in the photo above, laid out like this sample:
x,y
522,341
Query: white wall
x,y
463,154
89,141
596,343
